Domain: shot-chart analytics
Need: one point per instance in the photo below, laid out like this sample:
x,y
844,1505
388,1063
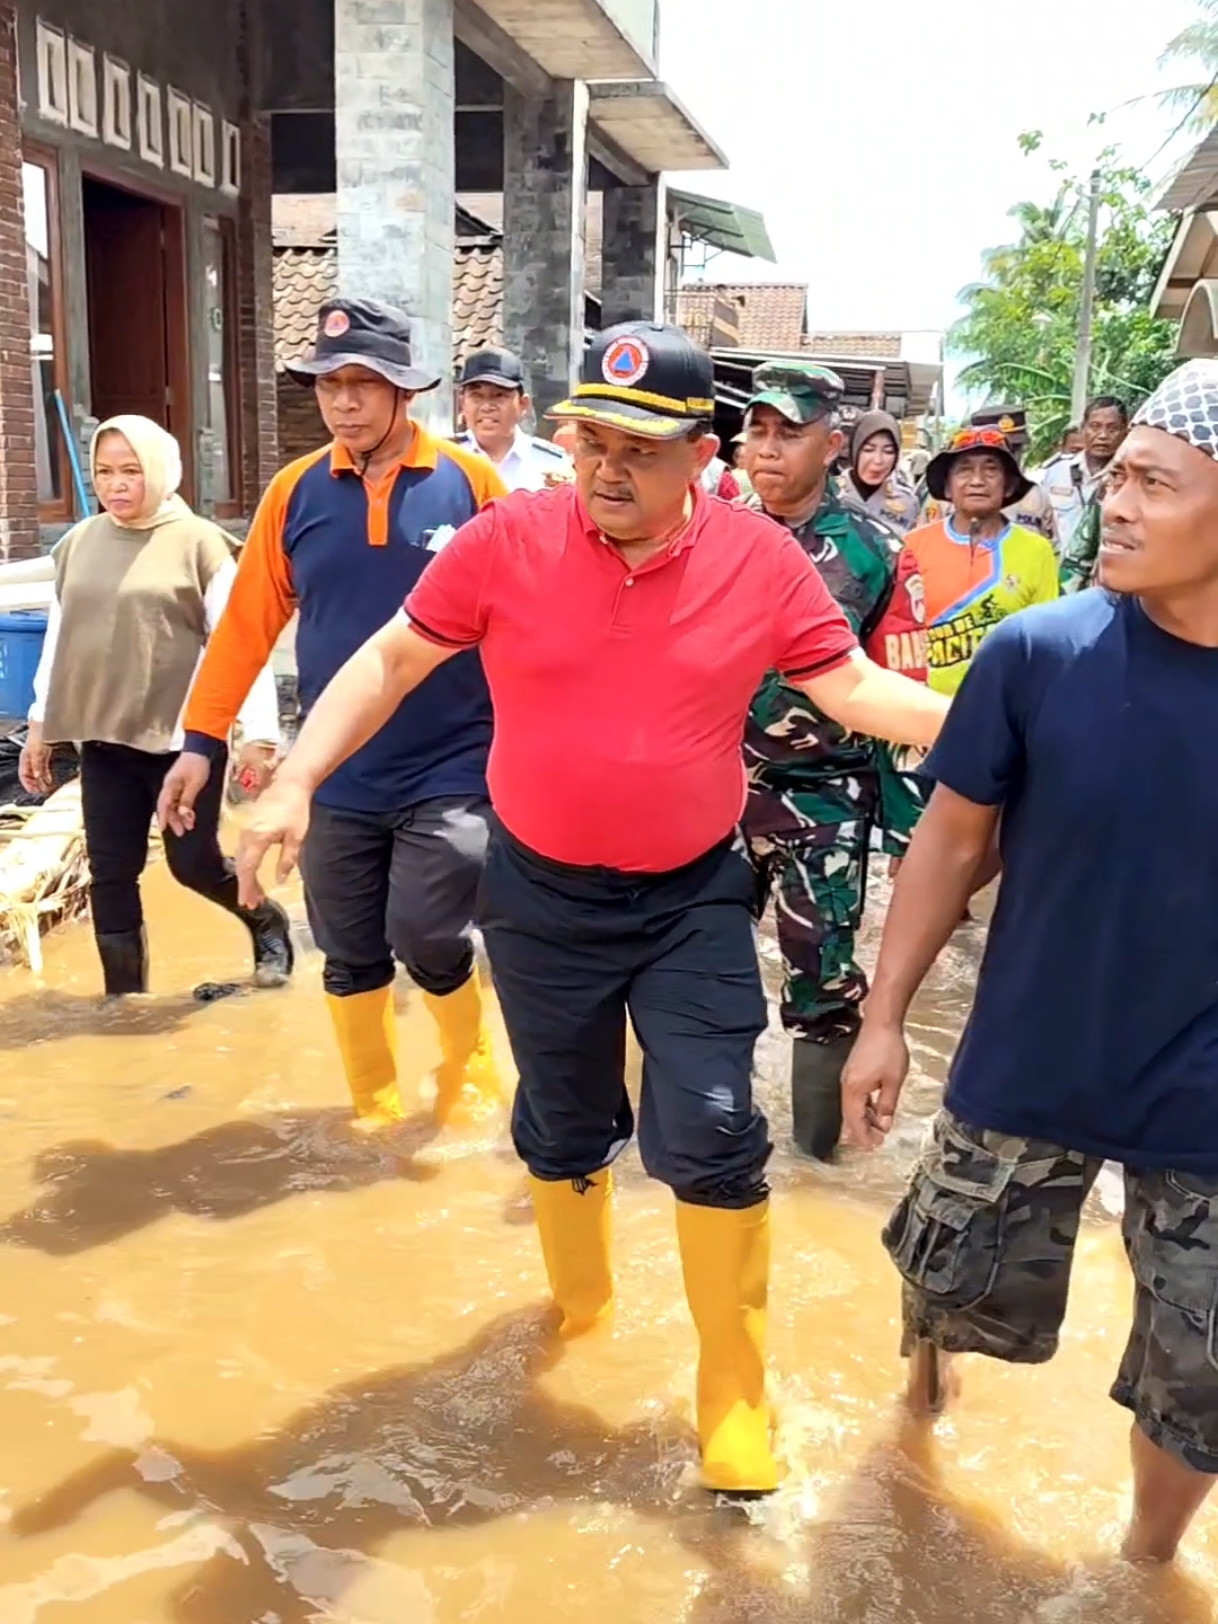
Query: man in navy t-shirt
x,y
1088,727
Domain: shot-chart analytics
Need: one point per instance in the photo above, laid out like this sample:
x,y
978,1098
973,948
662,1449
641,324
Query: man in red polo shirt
x,y
624,625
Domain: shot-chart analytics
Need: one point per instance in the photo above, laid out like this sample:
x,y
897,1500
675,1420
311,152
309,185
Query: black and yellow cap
x,y
643,378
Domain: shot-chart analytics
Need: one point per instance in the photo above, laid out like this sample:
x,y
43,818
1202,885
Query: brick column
x,y
18,479
545,196
395,105
256,299
633,252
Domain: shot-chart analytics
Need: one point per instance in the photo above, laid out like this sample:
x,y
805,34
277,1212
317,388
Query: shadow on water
x,y
897,1547
451,1444
48,1015
470,1439
96,1193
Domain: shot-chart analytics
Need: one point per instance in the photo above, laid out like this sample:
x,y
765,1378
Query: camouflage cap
x,y
800,390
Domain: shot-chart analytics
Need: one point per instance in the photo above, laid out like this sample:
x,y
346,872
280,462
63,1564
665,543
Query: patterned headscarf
x,y
1186,405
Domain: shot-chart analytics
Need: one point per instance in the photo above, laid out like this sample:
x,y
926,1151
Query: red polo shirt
x,y
620,695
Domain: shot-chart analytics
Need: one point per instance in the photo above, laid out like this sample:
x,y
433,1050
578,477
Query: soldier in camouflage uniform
x,y
1081,552
815,792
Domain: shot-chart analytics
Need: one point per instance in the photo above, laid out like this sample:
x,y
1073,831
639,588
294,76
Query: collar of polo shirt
x,y
422,452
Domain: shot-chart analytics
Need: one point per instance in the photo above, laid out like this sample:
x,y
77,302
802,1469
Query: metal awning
x,y
729,226
1195,183
908,388
651,126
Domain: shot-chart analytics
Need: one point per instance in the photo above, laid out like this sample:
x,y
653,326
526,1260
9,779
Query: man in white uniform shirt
x,y
493,403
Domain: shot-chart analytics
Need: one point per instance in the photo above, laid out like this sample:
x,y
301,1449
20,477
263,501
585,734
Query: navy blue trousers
x,y
573,950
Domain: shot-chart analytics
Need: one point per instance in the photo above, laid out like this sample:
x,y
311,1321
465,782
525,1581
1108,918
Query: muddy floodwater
x,y
256,1371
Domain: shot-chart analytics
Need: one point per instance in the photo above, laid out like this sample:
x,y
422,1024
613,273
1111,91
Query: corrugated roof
x,y
725,225
771,315
1195,183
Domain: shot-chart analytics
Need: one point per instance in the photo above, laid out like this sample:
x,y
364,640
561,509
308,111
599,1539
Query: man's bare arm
x,y
951,849
360,700
865,698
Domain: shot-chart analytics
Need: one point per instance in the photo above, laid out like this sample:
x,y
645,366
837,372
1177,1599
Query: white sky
x,y
878,137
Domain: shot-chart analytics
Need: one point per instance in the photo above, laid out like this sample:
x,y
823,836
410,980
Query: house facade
x,y
141,147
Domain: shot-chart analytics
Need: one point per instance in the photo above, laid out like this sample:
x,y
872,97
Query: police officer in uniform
x,y
494,404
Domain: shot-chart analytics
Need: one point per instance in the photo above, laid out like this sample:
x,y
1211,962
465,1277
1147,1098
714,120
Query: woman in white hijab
x,y
138,590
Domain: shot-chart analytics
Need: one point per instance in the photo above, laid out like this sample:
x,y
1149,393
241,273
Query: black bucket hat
x,y
363,333
974,439
643,378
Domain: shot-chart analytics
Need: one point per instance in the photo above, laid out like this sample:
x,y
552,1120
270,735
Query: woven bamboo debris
x,y
44,873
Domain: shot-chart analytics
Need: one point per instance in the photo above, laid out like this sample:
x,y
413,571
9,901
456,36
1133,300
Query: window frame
x,y
61,508
225,229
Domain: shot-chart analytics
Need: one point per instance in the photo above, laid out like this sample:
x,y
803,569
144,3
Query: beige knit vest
x,y
132,630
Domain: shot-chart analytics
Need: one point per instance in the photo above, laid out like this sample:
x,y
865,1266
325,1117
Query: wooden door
x,y
128,339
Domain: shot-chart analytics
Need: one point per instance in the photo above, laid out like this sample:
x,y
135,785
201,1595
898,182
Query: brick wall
x,y
255,286
18,488
301,429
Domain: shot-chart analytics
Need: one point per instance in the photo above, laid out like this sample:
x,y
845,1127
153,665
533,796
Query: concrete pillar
x,y
18,477
395,107
545,194
634,247
259,415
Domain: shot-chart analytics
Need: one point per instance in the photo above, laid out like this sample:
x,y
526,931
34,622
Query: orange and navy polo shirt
x,y
345,553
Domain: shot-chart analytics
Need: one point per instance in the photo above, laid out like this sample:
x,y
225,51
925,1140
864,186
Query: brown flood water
x,y
255,1372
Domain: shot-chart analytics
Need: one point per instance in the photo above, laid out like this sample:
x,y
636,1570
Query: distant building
x,y
746,323
141,146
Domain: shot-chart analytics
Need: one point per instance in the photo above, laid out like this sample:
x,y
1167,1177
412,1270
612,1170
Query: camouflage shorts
x,y
984,1240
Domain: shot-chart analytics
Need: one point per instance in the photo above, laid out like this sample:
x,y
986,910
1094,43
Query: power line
x,y
1202,95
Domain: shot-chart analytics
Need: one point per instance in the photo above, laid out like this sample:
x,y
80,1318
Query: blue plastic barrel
x,y
21,635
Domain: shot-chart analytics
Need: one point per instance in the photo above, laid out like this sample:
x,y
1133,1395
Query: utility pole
x,y
1082,358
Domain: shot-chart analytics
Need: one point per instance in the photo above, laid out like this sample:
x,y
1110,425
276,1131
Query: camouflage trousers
x,y
984,1240
810,851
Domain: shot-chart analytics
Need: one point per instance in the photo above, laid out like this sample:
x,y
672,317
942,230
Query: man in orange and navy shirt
x,y
399,834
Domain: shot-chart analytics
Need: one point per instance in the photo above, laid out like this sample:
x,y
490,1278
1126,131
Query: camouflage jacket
x,y
1080,557
788,743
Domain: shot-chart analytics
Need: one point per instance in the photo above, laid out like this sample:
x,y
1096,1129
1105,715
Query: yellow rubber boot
x,y
725,1258
573,1223
366,1029
468,1085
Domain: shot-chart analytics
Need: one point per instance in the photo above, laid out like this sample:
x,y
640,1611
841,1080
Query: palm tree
x,y
1197,46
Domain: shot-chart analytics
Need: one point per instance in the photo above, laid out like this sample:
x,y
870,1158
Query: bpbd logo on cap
x,y
625,362
338,322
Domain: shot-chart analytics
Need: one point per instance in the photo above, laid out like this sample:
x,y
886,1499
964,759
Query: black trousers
x,y
380,885
118,790
572,951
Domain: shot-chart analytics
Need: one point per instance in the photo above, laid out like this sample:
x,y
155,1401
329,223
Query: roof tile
x,y
306,277
772,315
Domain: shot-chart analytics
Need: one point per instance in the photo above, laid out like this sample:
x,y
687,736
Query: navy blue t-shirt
x,y
1095,1022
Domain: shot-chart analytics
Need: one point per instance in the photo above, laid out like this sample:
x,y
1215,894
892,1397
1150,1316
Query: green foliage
x,y
1196,47
1019,330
